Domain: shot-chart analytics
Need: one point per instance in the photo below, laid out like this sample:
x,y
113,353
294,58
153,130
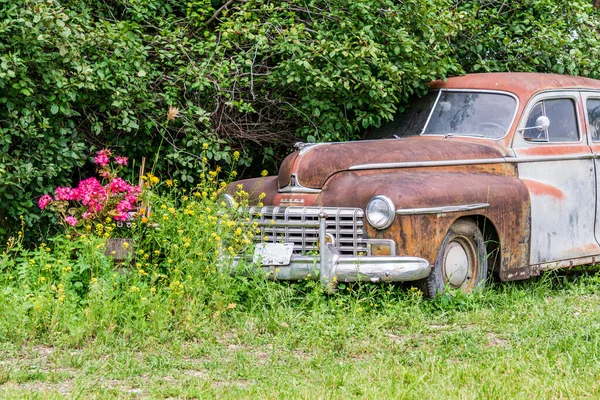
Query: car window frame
x,y
553,95
585,96
490,91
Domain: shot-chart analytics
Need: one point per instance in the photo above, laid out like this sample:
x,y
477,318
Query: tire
x,y
461,262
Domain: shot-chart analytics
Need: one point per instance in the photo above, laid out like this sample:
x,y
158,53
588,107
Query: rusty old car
x,y
486,174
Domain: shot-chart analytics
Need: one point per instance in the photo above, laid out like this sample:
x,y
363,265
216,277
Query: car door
x,y
556,165
591,106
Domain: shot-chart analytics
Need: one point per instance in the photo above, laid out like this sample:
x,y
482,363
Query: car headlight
x,y
381,212
228,199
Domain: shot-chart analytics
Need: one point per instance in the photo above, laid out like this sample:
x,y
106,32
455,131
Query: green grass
x,y
533,339
172,323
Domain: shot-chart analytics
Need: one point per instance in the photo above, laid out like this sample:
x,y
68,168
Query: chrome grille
x,y
299,225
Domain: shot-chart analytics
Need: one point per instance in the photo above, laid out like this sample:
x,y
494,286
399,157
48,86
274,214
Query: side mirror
x,y
542,123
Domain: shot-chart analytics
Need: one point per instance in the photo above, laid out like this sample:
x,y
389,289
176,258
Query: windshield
x,y
487,115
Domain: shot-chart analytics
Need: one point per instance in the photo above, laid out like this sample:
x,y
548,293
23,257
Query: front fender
x,y
422,234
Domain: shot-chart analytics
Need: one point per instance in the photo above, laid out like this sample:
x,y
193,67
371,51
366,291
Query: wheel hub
x,y
456,264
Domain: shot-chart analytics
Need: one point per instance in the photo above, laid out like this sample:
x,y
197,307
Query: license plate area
x,y
273,253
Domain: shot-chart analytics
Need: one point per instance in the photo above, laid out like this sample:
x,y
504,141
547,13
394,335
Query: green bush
x,y
251,76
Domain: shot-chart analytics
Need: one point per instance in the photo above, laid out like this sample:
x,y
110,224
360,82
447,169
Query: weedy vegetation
x,y
171,321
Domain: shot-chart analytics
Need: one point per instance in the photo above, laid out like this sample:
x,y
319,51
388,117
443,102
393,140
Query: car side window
x,y
562,114
593,112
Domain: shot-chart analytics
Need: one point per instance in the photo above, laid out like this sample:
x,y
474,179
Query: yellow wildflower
x,y
236,155
264,173
204,146
169,182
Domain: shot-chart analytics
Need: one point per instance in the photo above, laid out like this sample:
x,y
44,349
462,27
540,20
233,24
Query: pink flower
x,y
132,198
92,194
119,185
121,160
71,220
66,193
86,215
133,193
44,201
121,216
124,206
103,157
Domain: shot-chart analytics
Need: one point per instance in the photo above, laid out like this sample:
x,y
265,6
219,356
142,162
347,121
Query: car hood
x,y
314,164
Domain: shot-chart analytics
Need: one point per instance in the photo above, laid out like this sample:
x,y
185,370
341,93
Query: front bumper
x,y
332,267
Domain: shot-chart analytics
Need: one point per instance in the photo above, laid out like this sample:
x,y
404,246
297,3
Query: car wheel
x,y
461,262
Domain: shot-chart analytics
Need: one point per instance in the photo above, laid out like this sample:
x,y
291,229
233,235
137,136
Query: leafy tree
x,y
529,35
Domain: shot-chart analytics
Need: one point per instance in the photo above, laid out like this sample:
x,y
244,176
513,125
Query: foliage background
x,y
247,75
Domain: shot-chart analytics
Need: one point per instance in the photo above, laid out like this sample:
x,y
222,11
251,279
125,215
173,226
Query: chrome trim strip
x,y
477,161
416,164
298,189
551,158
442,209
295,187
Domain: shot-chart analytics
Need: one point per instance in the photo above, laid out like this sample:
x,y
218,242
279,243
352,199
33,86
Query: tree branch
x,y
219,11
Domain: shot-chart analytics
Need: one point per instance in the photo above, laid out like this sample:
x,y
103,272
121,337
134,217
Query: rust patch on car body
x,y
315,166
543,189
422,235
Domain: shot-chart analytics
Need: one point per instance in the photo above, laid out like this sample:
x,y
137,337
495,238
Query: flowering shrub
x,y
176,274
92,200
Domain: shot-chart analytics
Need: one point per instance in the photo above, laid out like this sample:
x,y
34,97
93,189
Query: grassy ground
x,y
535,339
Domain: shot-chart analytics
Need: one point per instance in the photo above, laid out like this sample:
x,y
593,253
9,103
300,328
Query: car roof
x,y
523,84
